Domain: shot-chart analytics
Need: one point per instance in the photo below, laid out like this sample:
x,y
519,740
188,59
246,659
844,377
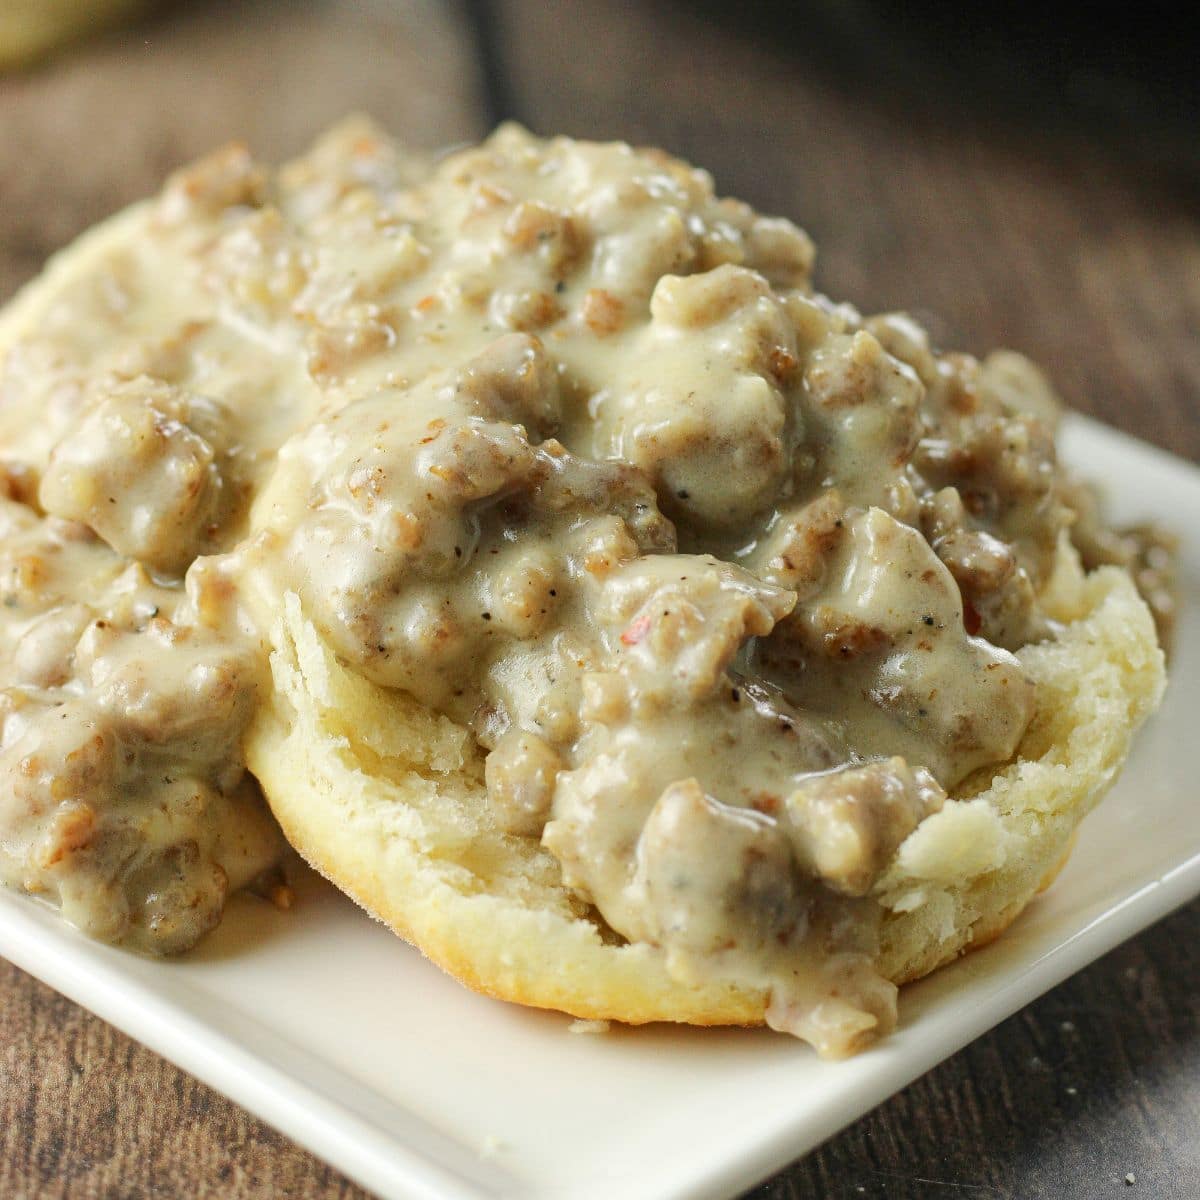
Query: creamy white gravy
x,y
724,577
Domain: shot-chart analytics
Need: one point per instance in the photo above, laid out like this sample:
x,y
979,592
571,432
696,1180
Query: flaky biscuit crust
x,y
402,825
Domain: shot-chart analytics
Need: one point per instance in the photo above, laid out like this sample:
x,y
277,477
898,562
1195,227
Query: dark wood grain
x,y
86,1112
996,226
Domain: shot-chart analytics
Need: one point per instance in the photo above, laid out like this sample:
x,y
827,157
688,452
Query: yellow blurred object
x,y
30,29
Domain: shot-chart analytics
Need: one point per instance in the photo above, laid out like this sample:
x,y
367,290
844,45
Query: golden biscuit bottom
x,y
386,800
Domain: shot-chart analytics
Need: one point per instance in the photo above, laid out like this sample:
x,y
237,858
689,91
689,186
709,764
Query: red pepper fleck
x,y
636,632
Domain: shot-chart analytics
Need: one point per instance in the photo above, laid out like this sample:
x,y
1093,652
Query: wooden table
x,y
933,178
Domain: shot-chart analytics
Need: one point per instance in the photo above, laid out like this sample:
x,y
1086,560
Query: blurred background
x,y
1026,175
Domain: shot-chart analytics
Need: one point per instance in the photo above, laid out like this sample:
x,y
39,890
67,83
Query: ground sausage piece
x,y
514,380
863,415
715,879
719,454
139,841
884,642
136,472
683,619
998,595
1148,552
846,825
226,177
520,774
44,656
799,549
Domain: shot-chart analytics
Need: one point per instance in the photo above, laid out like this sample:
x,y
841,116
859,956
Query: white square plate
x,y
332,1030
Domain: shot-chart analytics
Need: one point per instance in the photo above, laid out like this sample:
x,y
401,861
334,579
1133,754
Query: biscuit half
x,y
386,799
